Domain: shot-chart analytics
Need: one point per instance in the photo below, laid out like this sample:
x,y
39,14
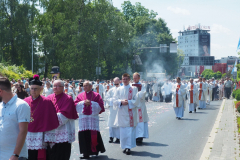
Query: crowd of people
x,y
37,117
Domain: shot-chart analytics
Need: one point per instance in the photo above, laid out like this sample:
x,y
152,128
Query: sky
x,y
223,17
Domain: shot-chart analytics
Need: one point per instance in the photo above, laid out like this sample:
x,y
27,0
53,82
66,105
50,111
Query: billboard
x,y
204,45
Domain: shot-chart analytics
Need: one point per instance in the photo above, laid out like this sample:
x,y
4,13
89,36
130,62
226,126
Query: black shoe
x,y
117,141
125,150
195,110
128,152
111,140
85,157
139,140
179,118
190,112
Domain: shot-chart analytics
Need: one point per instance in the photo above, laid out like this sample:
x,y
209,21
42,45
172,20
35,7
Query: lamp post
x,y
32,53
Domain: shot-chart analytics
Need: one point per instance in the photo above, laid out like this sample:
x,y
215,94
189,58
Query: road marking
x,y
207,149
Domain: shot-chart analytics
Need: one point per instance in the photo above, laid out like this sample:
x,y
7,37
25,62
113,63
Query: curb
x,y
206,151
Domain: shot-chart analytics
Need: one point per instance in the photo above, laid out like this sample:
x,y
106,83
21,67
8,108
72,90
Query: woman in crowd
x,y
27,89
21,93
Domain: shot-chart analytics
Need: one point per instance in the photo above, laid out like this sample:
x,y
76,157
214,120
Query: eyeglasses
x,y
34,89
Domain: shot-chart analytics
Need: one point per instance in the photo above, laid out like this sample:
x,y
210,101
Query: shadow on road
x,y
152,144
102,157
145,154
188,119
201,113
212,108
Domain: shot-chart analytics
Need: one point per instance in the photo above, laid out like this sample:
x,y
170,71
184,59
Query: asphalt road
x,y
169,139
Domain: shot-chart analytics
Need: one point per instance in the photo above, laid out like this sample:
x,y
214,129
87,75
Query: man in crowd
x,y
67,114
192,92
142,115
202,93
227,87
14,119
43,118
90,140
213,88
179,96
126,120
114,131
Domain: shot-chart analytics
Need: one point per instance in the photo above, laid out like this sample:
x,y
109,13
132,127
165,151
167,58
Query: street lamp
x,y
32,53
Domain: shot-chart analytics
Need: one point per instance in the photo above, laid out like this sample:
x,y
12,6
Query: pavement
x,y
169,138
226,143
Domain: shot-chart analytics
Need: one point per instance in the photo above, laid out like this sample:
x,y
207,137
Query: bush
x,y
238,109
237,96
235,93
237,104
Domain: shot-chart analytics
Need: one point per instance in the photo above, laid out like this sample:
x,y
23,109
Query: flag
x,y
238,47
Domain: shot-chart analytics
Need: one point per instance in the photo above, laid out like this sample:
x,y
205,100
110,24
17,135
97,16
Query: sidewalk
x,y
226,142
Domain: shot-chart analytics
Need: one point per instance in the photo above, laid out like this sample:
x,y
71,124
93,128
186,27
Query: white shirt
x,y
47,91
11,114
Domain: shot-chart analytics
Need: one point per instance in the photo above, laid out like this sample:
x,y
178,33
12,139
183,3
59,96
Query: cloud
x,y
217,28
178,10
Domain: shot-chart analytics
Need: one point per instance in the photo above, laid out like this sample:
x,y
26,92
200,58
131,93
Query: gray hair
x,y
59,81
88,82
116,78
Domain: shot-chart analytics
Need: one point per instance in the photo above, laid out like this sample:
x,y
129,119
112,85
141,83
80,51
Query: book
x,y
139,86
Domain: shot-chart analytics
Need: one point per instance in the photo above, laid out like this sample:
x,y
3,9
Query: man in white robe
x,y
142,115
126,119
98,88
192,92
166,91
202,92
209,98
114,131
179,96
156,96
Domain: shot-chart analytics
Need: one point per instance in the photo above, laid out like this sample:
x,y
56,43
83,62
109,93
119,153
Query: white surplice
x,y
114,131
88,122
126,118
142,115
179,109
203,98
191,106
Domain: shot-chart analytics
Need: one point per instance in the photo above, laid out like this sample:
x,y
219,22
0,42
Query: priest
x,y
65,133
125,99
142,115
192,93
89,106
43,119
179,96
114,131
202,93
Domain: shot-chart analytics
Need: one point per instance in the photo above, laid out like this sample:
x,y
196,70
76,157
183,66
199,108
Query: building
x,y
195,44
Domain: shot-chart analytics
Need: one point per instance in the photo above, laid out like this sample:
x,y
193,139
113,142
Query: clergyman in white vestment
x,y
142,116
125,99
114,131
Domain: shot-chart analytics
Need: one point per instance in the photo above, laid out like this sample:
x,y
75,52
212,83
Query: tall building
x,y
195,44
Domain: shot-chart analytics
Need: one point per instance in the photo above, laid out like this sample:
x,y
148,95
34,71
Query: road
x,y
169,139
